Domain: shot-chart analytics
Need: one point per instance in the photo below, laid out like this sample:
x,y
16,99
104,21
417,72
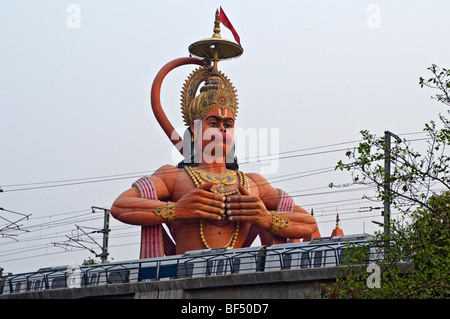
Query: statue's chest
x,y
226,183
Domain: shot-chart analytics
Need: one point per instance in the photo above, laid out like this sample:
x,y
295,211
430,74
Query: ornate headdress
x,y
218,91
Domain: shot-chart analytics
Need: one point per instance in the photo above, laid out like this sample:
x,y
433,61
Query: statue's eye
x,y
213,124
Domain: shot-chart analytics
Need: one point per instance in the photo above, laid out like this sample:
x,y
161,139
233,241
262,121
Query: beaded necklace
x,y
220,180
227,178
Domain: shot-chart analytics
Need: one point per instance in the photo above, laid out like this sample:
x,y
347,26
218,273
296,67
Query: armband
x,y
166,211
278,222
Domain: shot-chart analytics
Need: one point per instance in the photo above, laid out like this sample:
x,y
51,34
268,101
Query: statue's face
x,y
217,133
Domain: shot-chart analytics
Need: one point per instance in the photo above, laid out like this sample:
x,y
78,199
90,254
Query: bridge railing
x,y
191,265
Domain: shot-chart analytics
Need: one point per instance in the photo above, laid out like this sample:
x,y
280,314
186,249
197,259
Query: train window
x,y
94,279
260,260
37,285
220,265
147,273
330,258
236,265
17,288
29,285
185,269
209,267
287,261
188,269
304,260
118,276
343,256
167,271
59,282
84,279
317,259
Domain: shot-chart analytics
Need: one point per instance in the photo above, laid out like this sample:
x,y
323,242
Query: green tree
x,y
417,263
90,261
438,81
420,191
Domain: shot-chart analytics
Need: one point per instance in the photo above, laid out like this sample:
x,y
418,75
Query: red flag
x,y
224,19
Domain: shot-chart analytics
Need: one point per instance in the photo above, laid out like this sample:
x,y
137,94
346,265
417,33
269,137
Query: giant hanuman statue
x,y
206,202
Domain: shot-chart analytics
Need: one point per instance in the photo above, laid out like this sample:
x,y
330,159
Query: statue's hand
x,y
200,203
247,208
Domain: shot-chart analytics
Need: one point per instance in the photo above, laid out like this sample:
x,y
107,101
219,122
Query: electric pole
x,y
387,183
105,231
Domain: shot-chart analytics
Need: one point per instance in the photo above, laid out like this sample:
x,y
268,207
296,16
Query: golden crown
x,y
218,91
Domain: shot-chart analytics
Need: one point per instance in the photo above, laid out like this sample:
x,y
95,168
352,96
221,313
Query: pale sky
x,y
75,79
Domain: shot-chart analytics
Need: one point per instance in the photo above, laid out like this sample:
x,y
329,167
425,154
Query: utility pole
x,y
105,231
387,183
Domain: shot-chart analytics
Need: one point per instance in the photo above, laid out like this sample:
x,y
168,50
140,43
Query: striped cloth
x,y
155,242
285,204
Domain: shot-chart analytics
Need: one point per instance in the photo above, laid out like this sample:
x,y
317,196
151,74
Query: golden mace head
x,y
216,48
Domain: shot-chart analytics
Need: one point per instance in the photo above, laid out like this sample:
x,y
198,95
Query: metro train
x,y
320,252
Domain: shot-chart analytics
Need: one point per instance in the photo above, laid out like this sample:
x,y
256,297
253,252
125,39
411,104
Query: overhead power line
x,y
107,178
104,178
58,220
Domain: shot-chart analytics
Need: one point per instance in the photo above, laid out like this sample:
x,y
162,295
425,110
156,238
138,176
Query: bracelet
x,y
166,211
278,222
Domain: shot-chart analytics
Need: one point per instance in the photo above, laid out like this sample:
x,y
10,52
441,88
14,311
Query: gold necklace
x,y
227,178
219,179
